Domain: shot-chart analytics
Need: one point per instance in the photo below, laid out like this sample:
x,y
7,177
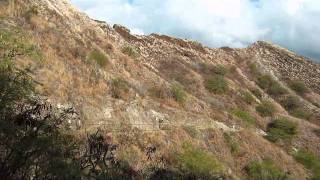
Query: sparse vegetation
x,y
244,116
198,164
146,112
276,89
294,106
119,88
220,70
291,103
247,97
265,81
265,170
130,51
271,86
100,58
29,126
301,113
192,131
178,93
32,11
281,129
299,87
160,92
256,92
310,161
266,108
217,84
253,68
234,146
15,43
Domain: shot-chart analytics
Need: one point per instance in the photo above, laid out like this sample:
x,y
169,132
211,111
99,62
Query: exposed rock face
x,y
139,83
287,64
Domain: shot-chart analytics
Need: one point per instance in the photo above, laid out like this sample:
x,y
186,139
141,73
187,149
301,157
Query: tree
x,y
31,142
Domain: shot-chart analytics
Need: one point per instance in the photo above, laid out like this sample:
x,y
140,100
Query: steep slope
x,y
161,91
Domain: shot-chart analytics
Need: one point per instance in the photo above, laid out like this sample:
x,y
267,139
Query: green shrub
x,y
266,108
299,87
217,84
244,116
291,103
270,85
247,97
192,131
301,113
310,161
294,106
265,170
119,88
98,57
29,130
276,89
281,129
220,70
256,92
234,146
265,81
198,163
15,42
178,93
253,69
130,51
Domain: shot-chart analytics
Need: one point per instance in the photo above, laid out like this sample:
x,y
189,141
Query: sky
x,y
293,24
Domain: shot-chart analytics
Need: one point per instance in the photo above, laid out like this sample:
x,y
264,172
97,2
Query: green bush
x,y
198,163
281,129
98,57
265,170
310,161
253,69
265,81
220,70
119,88
276,89
15,42
247,97
291,103
270,85
192,131
178,93
294,106
217,84
29,130
130,51
299,87
244,116
256,92
266,108
301,113
234,146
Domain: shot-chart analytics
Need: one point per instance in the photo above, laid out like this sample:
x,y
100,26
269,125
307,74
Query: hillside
x,y
256,104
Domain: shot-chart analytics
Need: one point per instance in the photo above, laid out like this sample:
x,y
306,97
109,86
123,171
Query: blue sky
x,y
294,24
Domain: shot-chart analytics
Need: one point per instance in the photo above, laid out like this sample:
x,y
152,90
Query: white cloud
x,y
237,23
